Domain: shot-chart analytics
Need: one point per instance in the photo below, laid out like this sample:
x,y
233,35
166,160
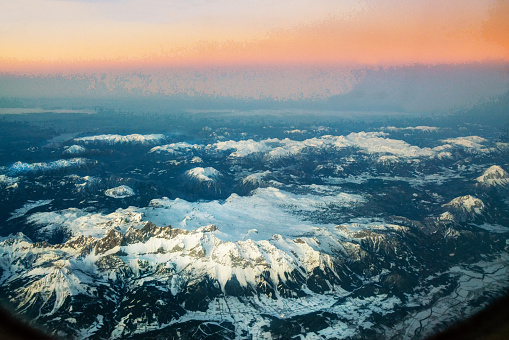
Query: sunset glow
x,y
44,35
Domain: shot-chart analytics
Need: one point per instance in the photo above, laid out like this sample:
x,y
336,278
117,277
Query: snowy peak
x,y
74,150
256,179
195,255
494,176
465,207
180,148
427,129
200,174
121,139
23,168
466,203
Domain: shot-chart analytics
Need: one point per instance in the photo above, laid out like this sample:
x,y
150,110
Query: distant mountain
x,y
74,150
494,176
202,181
120,192
121,139
465,208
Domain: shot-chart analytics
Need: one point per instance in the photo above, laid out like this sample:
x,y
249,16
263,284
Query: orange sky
x,y
61,35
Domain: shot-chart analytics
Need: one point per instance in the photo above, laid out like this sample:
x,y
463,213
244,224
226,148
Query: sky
x,y
63,34
246,39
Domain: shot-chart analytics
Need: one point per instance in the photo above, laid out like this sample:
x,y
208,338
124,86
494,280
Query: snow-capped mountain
x,y
120,192
74,150
111,139
200,174
253,181
465,207
205,181
23,168
258,232
177,275
494,176
180,148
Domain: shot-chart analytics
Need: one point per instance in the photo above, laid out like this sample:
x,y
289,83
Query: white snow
x,y
84,222
269,210
387,159
256,178
8,181
272,230
368,142
274,148
466,204
121,139
74,149
208,174
180,148
494,176
244,148
121,191
376,143
27,207
410,128
472,143
295,131
20,167
82,182
447,308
